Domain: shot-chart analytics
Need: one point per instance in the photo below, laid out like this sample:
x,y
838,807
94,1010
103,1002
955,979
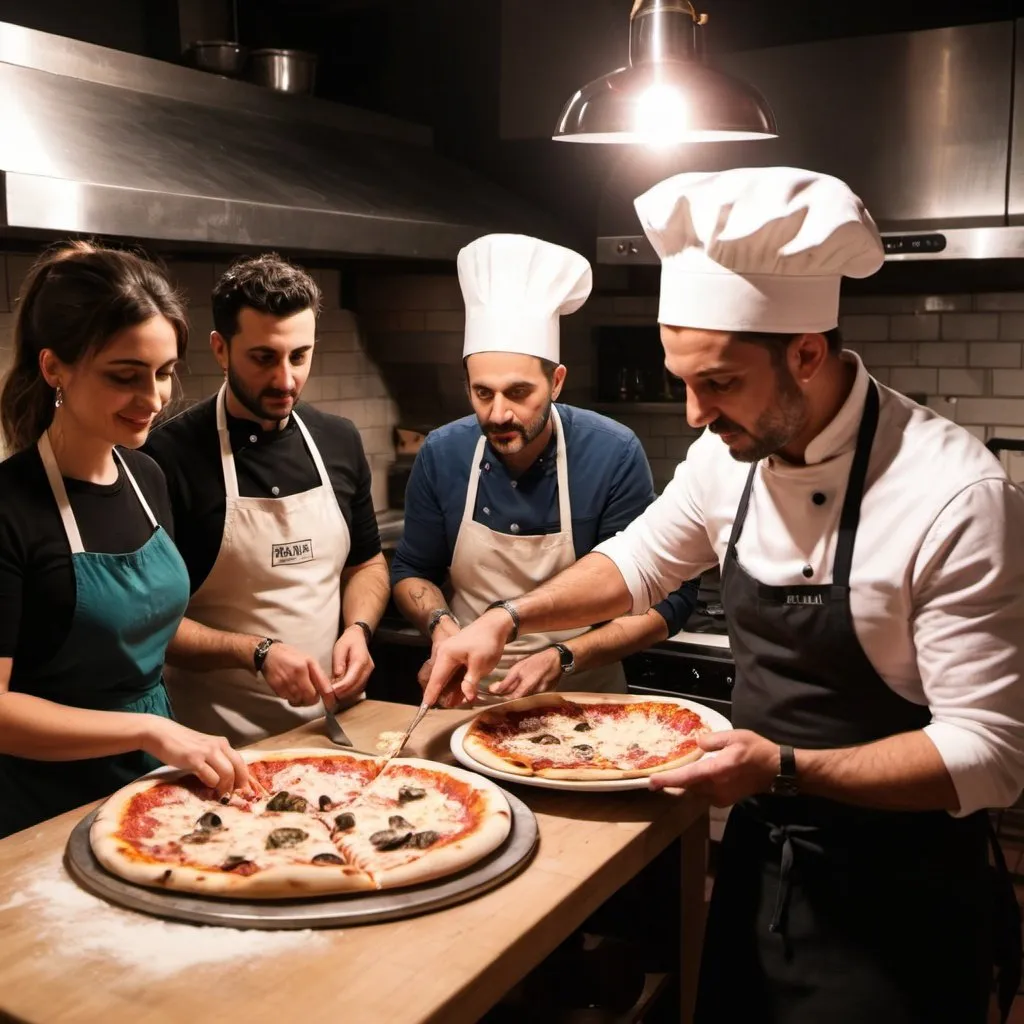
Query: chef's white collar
x,y
840,436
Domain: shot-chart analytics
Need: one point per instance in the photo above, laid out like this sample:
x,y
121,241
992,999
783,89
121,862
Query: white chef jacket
x,y
937,582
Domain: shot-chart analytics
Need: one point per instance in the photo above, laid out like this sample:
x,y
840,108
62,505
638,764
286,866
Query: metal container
x,y
284,70
222,58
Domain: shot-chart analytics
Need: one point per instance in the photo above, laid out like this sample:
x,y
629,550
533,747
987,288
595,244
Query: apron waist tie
x,y
784,836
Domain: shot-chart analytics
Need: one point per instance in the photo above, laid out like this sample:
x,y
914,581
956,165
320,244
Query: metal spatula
x,y
417,718
335,733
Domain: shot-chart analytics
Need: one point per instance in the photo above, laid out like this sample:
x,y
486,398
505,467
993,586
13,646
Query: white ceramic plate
x,y
717,721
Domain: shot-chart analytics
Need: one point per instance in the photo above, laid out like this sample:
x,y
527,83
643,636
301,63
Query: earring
x,y
58,398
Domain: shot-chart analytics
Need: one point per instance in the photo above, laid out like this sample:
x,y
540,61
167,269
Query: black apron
x,y
823,911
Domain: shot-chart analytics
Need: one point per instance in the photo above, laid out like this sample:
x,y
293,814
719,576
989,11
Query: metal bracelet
x,y
510,608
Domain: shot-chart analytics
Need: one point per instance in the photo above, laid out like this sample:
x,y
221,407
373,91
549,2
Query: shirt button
x,y
253,439
514,527
487,466
808,571
487,511
818,498
275,491
515,483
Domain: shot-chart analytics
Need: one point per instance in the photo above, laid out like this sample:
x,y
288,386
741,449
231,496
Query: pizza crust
x,y
122,857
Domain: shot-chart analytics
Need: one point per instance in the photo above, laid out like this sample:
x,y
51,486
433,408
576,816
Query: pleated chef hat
x,y
757,248
515,289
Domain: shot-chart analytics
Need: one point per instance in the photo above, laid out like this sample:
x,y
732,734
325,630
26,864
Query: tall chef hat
x,y
757,248
515,289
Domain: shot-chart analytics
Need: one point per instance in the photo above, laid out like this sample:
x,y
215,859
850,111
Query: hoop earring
x,y
58,398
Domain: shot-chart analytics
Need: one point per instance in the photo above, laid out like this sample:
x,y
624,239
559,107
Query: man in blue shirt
x,y
502,500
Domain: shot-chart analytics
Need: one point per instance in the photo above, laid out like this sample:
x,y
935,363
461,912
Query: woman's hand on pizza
x,y
535,674
744,764
466,658
210,758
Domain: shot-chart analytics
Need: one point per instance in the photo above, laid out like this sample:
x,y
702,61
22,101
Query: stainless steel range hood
x,y
97,141
928,127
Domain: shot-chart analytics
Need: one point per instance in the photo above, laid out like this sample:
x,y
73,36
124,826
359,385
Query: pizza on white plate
x,y
330,823
585,737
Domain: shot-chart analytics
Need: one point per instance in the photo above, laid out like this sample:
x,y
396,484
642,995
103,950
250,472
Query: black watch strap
x,y
566,659
785,783
259,656
365,627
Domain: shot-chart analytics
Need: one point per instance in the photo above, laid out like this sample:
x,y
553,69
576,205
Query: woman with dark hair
x,y
92,587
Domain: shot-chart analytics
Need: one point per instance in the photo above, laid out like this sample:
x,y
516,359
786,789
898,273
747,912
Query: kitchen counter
x,y
66,956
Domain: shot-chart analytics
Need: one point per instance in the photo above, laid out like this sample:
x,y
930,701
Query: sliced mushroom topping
x,y
424,839
396,821
389,839
582,727
545,739
209,822
325,803
283,837
327,858
284,801
407,793
343,822
584,750
233,862
197,837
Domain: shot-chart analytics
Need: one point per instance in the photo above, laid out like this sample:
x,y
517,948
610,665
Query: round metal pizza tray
x,y
332,912
717,721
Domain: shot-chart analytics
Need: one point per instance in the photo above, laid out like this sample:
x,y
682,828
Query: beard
x,y
775,428
524,434
254,402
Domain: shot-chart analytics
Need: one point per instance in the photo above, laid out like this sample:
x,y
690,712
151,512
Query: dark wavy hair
x,y
266,283
76,297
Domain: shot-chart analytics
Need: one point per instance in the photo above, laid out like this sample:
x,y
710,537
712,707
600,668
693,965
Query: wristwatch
x,y
365,627
565,658
436,616
260,654
785,783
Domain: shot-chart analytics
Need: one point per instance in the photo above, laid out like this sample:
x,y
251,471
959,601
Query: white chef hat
x,y
515,288
757,248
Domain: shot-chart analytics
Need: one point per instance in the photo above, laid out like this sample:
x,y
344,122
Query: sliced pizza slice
x,y
420,821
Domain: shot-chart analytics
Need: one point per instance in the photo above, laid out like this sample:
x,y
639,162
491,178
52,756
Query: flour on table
x,y
90,928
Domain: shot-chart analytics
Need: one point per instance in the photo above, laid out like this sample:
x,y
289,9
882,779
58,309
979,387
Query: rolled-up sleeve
x,y
968,629
668,543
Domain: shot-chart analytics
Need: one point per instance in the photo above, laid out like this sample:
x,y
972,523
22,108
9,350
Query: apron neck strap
x,y
60,493
850,517
227,456
561,468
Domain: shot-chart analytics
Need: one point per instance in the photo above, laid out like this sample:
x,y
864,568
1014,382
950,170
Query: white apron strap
x,y
227,457
325,480
474,481
60,493
562,468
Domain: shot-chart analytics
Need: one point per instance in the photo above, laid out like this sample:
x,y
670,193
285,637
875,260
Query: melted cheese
x,y
619,741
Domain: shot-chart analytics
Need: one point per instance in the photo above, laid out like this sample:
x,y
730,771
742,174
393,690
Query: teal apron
x,y
127,608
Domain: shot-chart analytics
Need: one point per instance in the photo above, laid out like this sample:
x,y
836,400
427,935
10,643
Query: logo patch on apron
x,y
292,554
812,599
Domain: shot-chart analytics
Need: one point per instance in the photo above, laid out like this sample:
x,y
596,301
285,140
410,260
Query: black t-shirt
x,y
269,464
37,582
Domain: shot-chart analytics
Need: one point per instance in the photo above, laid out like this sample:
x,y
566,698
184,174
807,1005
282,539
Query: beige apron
x,y
277,574
488,566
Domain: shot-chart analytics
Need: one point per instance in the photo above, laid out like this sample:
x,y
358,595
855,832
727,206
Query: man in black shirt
x,y
275,521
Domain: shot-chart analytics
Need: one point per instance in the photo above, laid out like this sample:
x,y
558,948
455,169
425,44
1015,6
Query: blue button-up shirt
x,y
610,484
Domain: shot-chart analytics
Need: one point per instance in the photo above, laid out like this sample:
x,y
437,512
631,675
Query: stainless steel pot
x,y
222,58
284,70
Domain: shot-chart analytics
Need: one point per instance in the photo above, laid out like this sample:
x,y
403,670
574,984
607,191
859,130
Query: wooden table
x,y
447,966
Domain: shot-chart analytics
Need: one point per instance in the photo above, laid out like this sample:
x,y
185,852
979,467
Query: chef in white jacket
x,y
873,582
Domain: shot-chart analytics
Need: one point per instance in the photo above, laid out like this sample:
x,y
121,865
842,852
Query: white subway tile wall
x,y
344,379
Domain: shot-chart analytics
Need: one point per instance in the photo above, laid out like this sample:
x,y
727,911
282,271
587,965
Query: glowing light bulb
x,y
662,115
